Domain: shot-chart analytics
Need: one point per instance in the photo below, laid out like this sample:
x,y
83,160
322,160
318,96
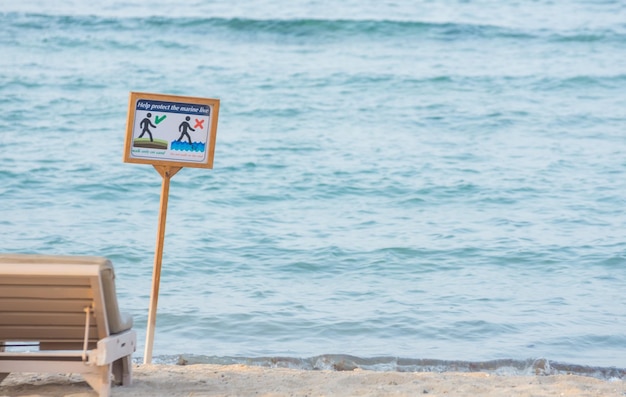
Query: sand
x,y
242,380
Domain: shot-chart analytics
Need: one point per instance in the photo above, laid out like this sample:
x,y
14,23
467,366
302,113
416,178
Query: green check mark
x,y
158,119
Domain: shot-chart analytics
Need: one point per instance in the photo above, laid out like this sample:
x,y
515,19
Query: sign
x,y
171,130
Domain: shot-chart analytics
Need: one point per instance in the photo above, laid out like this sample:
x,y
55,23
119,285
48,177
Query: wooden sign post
x,y
169,132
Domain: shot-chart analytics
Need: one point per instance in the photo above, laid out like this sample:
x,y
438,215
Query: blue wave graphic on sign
x,y
188,147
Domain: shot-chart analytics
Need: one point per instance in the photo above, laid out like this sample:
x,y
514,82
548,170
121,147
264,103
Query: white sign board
x,y
171,130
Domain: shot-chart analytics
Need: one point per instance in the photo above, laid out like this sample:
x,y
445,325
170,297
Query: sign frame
x,y
170,105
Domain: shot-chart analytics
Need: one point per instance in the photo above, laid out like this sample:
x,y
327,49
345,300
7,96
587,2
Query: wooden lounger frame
x,y
58,304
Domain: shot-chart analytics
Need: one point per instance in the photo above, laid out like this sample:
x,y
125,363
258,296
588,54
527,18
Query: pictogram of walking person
x,y
184,127
145,125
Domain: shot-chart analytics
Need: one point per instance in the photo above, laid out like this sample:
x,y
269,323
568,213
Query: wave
x,y
306,27
344,362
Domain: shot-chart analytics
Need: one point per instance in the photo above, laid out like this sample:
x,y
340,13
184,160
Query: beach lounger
x,y
59,314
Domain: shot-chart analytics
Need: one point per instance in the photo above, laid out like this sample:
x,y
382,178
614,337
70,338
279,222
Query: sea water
x,y
426,180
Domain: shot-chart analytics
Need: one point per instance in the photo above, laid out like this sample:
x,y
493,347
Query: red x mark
x,y
199,124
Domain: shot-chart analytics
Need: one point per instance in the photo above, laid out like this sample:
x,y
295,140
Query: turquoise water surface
x,y
423,180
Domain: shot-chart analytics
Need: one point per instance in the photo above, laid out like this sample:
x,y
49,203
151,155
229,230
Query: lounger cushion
x,y
118,322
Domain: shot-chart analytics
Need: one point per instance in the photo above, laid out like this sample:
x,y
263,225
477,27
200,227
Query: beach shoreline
x,y
245,380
